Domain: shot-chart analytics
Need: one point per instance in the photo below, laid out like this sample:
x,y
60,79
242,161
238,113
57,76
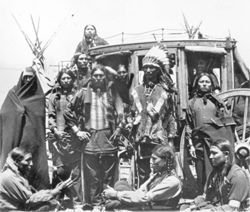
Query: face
x,y
217,157
66,81
204,83
157,163
89,31
27,78
150,73
122,73
201,65
82,61
98,79
99,75
25,164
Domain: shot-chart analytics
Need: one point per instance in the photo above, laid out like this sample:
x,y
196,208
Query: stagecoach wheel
x,y
238,103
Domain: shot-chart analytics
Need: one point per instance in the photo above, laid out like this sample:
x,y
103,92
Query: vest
x,y
155,101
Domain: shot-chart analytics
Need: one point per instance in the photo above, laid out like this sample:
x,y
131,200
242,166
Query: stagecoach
x,y
223,59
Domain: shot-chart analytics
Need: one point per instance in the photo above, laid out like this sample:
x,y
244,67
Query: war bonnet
x,y
157,56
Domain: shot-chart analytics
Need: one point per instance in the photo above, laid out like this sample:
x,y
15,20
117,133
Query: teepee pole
x,y
31,45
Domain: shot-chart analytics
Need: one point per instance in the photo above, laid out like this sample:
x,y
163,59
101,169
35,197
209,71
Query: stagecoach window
x,y
198,62
140,77
217,73
141,72
140,61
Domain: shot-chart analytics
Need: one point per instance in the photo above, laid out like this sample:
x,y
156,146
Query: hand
x,y
109,192
199,200
171,141
58,188
83,136
59,134
129,126
117,132
152,112
192,151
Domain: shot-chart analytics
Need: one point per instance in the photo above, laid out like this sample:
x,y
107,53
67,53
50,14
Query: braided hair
x,y
166,153
225,146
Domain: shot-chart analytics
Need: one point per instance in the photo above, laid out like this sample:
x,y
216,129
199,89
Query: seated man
x,y
163,188
15,191
227,187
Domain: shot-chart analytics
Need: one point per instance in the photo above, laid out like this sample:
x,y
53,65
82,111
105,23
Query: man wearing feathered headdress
x,y
152,107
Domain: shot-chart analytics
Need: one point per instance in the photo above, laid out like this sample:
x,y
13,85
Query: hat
x,y
29,71
157,56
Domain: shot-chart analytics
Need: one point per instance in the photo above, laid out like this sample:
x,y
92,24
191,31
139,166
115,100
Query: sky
x,y
64,20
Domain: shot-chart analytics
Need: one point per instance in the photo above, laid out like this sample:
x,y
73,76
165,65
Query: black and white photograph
x,y
124,105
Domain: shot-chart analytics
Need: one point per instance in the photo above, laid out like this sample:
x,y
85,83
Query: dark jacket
x,y
77,114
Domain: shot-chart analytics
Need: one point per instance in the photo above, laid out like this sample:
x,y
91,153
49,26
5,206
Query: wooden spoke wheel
x,y
238,104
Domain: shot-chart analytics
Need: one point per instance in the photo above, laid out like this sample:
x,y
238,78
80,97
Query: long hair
x,y
165,152
195,83
91,26
78,54
17,154
65,71
58,80
225,146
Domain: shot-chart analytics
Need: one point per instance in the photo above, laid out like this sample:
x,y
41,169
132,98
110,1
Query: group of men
x,y
91,105
90,108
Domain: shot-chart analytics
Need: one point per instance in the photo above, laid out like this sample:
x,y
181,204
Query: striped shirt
x,y
98,111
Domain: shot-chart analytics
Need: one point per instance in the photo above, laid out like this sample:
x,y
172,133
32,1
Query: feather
x,y
157,56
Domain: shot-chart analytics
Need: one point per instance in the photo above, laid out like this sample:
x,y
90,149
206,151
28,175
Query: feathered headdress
x,y
157,56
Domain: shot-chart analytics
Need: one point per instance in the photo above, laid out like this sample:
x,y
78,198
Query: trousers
x,y
100,171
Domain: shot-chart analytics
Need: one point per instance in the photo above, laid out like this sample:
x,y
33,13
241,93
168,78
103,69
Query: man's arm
x,y
167,189
189,128
73,111
16,189
52,112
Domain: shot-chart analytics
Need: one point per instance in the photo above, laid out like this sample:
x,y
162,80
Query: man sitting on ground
x,y
163,188
15,191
